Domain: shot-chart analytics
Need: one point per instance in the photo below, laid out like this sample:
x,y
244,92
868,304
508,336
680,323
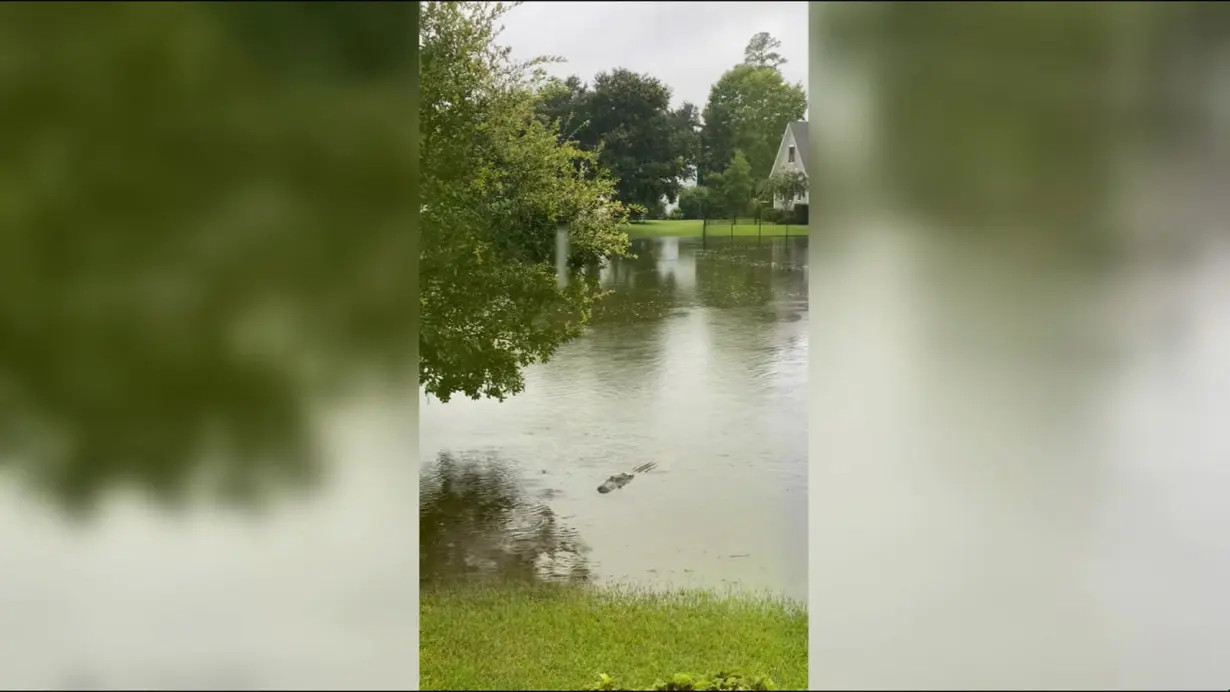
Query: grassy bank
x,y
693,228
560,638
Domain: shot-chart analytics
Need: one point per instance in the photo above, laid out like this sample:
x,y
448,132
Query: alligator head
x,y
614,482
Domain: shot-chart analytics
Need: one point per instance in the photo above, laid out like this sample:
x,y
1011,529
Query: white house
x,y
792,156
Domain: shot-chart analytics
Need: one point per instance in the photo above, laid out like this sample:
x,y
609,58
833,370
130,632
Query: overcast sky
x,y
687,45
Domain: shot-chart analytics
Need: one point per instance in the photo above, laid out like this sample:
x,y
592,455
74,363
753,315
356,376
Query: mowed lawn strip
x,y
694,228
552,637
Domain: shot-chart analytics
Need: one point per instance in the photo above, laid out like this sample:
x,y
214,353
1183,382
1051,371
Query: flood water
x,y
1035,473
698,362
1020,448
288,595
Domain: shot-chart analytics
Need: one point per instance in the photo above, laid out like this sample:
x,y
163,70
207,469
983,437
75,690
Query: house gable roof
x,y
798,130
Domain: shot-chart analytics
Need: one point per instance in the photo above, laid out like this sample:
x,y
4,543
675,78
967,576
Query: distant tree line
x,y
719,157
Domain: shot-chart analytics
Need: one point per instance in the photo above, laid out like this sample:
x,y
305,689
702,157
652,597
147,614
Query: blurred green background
x,y
207,251
206,213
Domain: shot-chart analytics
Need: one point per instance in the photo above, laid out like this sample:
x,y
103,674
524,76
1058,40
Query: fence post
x,y
561,257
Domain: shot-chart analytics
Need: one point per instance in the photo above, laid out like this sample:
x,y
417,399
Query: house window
x,y
790,154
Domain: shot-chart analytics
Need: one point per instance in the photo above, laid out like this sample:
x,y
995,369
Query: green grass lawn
x,y
692,228
562,637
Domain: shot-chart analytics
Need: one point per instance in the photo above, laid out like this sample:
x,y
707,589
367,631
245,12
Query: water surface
x,y
698,361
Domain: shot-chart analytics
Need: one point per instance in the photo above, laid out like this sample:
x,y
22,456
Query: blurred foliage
x,y
350,41
193,235
1007,116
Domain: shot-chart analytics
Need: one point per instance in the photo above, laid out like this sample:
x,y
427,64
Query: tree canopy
x,y
784,186
649,148
761,51
734,188
497,182
748,110
693,200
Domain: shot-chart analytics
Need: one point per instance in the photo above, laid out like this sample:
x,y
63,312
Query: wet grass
x,y
693,228
557,637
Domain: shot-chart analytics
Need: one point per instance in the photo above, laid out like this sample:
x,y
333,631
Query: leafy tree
x,y
561,101
649,148
785,186
496,185
734,188
748,109
761,51
637,213
692,201
685,140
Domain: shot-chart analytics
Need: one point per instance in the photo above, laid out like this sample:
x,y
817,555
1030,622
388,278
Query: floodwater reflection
x,y
696,361
478,519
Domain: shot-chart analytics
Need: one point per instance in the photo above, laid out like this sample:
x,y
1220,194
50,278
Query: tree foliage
x,y
784,186
496,185
748,109
761,51
734,188
648,147
692,201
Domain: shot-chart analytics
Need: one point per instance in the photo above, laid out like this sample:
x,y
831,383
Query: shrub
x,y
799,215
769,214
637,213
676,214
720,681
692,201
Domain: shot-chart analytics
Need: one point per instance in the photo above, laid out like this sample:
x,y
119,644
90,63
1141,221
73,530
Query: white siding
x,y
783,163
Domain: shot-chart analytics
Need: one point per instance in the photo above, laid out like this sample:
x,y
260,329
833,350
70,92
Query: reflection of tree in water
x,y
749,274
637,291
190,233
476,522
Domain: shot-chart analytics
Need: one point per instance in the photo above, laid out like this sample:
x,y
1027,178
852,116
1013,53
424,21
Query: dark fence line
x,y
750,226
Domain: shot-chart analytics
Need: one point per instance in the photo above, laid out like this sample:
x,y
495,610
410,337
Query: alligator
x,y
619,480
